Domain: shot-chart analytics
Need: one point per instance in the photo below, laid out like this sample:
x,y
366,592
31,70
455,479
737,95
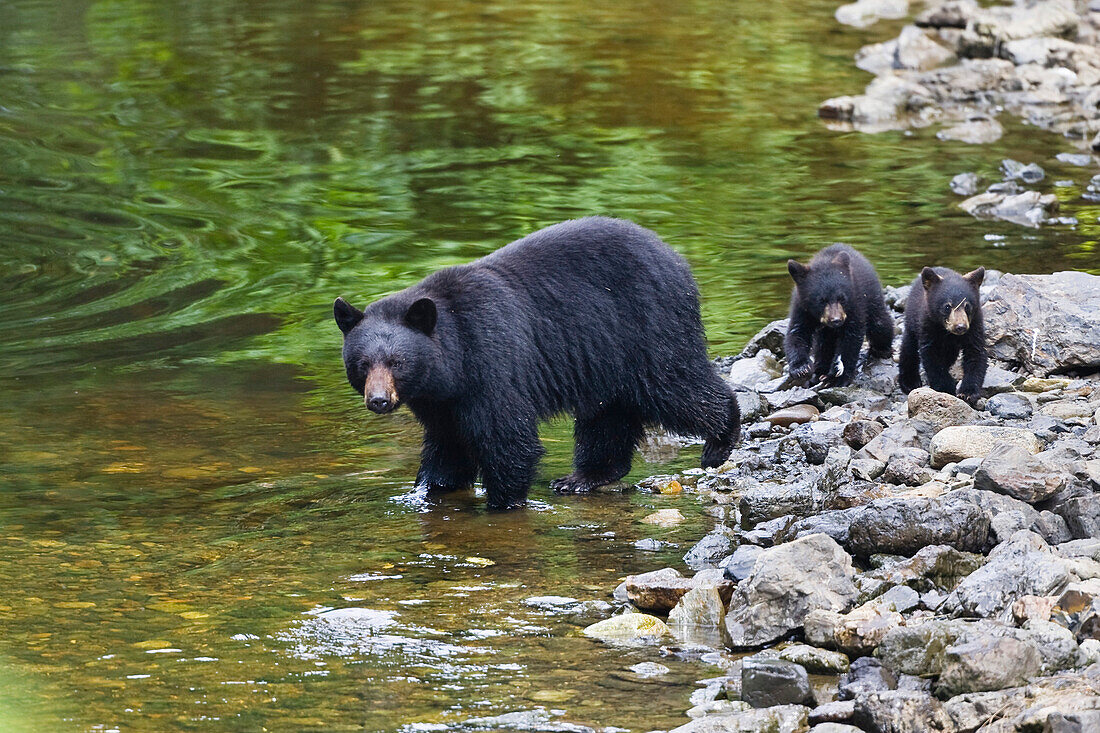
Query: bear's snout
x,y
379,392
834,315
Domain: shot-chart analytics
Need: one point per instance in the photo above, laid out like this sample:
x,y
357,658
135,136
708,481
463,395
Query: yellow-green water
x,y
188,484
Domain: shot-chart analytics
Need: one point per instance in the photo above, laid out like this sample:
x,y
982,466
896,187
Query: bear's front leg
x,y
974,366
851,342
796,346
908,362
445,465
937,360
446,461
508,456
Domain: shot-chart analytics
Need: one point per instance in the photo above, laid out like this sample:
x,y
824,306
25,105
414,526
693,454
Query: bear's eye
x,y
946,308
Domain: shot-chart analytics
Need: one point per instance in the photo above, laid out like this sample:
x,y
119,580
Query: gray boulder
x,y
1048,324
1010,406
954,444
768,682
779,719
786,583
1023,566
1012,470
898,711
902,526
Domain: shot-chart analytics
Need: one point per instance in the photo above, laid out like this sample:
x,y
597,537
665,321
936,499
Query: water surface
x,y
202,528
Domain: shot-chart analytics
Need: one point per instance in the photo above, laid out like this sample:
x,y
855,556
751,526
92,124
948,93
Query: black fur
x,y
597,317
840,275
928,343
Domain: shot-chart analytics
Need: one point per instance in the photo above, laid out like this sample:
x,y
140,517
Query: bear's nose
x,y
836,322
958,329
379,405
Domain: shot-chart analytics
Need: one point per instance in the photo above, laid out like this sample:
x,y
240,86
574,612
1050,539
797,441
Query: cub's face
x,y
387,358
825,289
953,300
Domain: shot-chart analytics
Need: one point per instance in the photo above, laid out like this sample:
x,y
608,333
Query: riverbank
x,y
892,563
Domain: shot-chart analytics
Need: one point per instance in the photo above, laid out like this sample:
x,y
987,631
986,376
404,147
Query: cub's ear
x,y
929,277
798,270
346,315
422,315
842,260
975,277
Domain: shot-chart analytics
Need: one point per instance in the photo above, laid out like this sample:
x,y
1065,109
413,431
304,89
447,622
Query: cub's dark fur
x,y
597,317
837,300
943,316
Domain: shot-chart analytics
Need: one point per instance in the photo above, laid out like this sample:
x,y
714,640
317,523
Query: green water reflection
x,y
202,528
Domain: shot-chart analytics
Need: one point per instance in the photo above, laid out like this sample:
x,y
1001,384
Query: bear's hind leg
x,y
880,331
717,449
908,362
604,447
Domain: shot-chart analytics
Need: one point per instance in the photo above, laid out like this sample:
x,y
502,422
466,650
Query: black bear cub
x,y
837,301
597,317
943,316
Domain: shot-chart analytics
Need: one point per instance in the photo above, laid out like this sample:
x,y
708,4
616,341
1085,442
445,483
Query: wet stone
x,y
1015,170
966,184
768,682
1078,159
712,548
738,566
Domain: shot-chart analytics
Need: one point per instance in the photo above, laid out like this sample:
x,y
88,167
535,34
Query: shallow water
x,y
202,528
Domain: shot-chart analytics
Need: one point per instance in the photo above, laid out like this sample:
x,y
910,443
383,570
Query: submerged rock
x,y
1029,208
628,627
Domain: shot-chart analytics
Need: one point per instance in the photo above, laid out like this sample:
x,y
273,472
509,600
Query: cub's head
x,y
388,349
953,299
825,288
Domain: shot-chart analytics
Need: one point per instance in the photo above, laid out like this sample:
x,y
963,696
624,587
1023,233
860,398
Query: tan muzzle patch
x,y
958,322
379,392
833,315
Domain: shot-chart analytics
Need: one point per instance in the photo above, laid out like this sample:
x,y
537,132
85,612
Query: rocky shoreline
x,y
890,563
959,65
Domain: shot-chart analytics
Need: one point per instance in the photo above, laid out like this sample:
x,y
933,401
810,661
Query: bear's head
x,y
953,299
388,349
825,288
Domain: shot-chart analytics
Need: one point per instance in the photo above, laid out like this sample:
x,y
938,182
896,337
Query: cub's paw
x,y
970,396
801,370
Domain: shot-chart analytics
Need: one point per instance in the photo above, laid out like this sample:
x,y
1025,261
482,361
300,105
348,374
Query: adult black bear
x,y
597,317
837,300
943,316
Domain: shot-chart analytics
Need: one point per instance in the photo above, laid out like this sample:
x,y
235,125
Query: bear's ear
x,y
798,270
975,277
929,277
842,260
421,315
346,315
